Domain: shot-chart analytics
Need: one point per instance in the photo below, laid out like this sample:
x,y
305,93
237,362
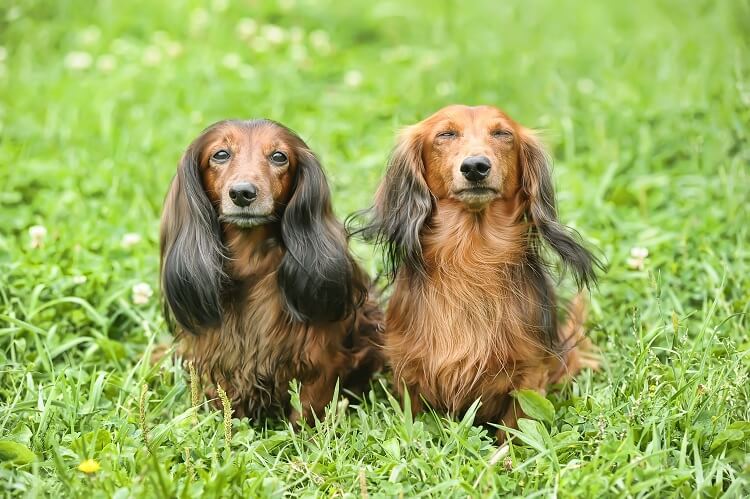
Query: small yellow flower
x,y
89,466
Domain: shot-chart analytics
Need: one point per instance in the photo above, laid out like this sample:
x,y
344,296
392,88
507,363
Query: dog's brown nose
x,y
476,168
243,193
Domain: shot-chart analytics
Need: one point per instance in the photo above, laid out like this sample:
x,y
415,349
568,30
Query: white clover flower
x,y
151,56
298,53
37,233
160,37
353,78
106,63
585,86
199,19
79,279
231,60
320,41
13,14
429,60
130,239
3,53
142,292
78,60
639,252
173,49
274,34
296,34
122,46
90,35
637,259
247,72
219,5
445,88
259,44
635,263
246,28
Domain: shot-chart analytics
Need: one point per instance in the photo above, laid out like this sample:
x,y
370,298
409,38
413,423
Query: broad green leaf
x,y
726,436
531,433
392,448
535,405
743,426
15,452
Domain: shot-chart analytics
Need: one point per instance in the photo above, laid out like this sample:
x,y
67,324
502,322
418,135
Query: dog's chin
x,y
247,221
476,198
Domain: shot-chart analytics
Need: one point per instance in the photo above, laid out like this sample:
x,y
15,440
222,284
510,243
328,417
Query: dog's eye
x,y
221,155
447,134
279,158
502,134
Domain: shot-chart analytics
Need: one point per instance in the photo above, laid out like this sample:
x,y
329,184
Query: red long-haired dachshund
x,y
464,211
256,273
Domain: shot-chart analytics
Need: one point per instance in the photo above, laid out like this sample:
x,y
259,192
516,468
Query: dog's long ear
x,y
316,272
402,204
538,188
192,254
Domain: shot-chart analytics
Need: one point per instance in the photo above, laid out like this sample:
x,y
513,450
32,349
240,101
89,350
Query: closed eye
x,y
447,134
502,133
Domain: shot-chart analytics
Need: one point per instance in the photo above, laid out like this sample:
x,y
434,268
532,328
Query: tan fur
x,y
472,326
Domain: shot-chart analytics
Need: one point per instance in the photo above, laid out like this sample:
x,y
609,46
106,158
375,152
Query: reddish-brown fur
x,y
476,318
258,347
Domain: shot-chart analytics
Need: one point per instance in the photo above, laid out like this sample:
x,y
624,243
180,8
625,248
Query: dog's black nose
x,y
243,193
476,168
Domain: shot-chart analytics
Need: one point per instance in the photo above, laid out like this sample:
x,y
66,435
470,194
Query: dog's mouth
x,y
476,197
246,220
477,191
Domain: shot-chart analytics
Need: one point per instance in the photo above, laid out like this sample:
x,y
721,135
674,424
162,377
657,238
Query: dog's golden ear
x,y
402,204
537,186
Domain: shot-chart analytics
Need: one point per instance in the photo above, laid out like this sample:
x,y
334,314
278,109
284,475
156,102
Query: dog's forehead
x,y
469,114
245,136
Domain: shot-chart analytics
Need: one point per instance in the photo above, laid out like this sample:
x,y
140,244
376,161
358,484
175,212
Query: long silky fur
x,y
192,253
316,273
481,320
403,204
538,186
283,301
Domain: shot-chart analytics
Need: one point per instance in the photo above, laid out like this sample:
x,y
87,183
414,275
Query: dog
x,y
257,280
464,214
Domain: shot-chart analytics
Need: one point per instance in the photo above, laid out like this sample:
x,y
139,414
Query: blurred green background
x,y
644,106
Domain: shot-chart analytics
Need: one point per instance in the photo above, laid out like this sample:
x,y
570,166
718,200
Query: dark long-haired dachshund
x,y
256,274
464,211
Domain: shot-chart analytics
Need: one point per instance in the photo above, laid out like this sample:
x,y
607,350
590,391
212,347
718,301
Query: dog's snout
x,y
476,168
243,193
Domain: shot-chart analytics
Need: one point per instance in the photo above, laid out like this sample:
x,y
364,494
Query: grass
x,y
644,104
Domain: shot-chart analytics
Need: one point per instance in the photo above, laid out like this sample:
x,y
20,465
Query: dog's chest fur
x,y
258,349
477,324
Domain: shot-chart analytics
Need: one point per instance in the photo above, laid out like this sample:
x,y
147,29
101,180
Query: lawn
x,y
645,106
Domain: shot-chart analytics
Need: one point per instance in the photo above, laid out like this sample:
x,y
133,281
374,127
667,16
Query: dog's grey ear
x,y
316,273
403,203
192,254
538,188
